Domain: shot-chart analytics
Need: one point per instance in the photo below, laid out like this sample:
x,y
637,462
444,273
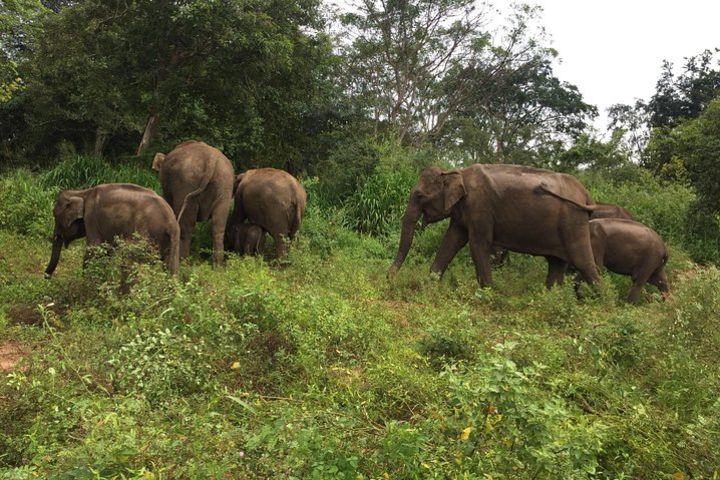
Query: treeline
x,y
319,91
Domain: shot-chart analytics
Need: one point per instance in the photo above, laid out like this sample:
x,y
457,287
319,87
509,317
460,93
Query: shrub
x,y
26,204
78,172
162,364
378,205
660,205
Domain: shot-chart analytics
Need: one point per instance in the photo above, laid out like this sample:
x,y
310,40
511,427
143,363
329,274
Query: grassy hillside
x,y
325,369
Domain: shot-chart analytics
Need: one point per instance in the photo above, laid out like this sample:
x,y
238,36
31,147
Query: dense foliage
x,y
325,369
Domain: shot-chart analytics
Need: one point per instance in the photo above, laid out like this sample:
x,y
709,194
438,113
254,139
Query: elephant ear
x,y
454,189
73,210
158,160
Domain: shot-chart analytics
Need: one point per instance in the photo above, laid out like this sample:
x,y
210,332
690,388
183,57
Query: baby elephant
x,y
630,248
248,238
112,210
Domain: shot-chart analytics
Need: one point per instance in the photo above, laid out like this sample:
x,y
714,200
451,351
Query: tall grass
x,y
87,171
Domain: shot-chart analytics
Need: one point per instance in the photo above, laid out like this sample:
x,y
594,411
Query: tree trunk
x,y
148,133
101,137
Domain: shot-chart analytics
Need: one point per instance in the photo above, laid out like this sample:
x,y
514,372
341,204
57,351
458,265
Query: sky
x,y
612,50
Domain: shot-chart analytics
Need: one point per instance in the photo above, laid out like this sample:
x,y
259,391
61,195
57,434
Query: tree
x,y
514,107
399,50
678,97
18,20
634,123
236,74
429,71
684,96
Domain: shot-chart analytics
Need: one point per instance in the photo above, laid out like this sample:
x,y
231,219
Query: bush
x,y
26,204
79,172
662,206
377,206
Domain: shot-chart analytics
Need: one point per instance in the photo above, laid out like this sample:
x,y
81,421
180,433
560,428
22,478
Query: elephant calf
x,y
112,210
247,238
630,248
609,210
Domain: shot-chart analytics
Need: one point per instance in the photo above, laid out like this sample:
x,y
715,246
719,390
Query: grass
x,y
325,369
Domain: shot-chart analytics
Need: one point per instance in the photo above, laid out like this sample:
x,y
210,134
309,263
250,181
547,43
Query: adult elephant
x,y
517,208
500,256
272,199
112,210
197,182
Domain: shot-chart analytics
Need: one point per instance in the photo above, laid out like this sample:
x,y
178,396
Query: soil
x,y
10,354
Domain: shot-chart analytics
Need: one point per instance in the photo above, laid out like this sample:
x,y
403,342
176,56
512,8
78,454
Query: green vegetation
x,y
325,369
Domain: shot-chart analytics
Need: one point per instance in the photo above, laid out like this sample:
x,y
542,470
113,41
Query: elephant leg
x,y
659,279
219,222
639,279
480,248
455,239
556,272
91,250
187,225
280,245
581,257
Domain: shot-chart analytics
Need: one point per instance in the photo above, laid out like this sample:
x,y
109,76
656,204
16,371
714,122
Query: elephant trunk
x,y
55,256
412,213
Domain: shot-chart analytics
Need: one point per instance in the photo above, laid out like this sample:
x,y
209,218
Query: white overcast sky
x,y
613,49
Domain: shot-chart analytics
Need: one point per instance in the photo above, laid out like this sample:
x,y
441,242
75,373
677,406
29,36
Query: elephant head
x,y
69,213
433,197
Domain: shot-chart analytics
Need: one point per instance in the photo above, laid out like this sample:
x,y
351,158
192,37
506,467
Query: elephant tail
x,y
544,189
173,255
296,220
203,185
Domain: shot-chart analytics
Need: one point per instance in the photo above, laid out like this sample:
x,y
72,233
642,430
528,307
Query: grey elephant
x,y
610,210
105,212
272,199
630,248
517,208
247,238
197,182
501,256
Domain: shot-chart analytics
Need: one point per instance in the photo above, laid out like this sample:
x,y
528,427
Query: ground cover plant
x,y
325,369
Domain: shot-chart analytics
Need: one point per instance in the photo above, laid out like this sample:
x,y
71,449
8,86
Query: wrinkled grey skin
x,y
601,210
112,210
272,199
630,248
609,210
197,182
517,208
247,238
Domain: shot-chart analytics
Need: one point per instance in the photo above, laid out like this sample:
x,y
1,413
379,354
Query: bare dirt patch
x,y
10,354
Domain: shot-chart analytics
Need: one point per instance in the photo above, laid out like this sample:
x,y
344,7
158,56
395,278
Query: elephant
x,y
630,248
272,199
197,182
247,238
522,209
112,210
500,256
609,210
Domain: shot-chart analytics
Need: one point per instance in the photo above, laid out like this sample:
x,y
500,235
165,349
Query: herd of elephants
x,y
493,208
